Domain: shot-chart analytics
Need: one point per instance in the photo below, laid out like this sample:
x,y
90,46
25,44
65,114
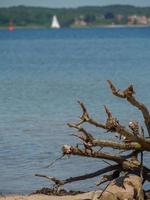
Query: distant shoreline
x,y
84,16
79,27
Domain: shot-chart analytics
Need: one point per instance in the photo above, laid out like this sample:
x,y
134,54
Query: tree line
x,y
92,16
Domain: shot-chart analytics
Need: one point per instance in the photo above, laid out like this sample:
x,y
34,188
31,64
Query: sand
x,y
45,197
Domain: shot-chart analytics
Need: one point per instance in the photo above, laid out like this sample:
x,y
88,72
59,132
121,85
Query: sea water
x,y
43,73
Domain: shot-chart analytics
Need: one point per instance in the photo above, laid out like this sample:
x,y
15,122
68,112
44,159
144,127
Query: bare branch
x,y
115,174
52,179
59,158
79,178
131,138
112,124
92,175
67,149
133,141
88,136
115,145
128,94
99,197
85,115
89,139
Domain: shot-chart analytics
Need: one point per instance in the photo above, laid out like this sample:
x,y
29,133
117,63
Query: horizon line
x,y
74,7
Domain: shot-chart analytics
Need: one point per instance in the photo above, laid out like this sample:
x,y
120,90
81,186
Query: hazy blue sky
x,y
71,3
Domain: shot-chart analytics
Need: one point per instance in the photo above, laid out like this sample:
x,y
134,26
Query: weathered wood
x,y
70,150
126,187
128,94
132,141
79,178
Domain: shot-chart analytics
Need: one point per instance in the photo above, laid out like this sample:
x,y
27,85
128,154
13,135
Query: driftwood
x,y
131,140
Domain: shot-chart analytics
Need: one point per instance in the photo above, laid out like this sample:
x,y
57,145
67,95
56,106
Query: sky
x,y
71,3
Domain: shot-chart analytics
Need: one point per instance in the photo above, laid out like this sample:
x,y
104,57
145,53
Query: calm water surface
x,y
42,75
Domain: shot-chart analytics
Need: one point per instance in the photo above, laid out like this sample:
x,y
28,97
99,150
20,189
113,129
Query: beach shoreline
x,y
46,197
79,27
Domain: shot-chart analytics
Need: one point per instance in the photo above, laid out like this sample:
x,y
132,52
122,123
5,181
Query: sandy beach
x,y
122,188
45,197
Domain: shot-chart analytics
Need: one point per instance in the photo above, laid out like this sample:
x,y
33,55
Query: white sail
x,y
55,23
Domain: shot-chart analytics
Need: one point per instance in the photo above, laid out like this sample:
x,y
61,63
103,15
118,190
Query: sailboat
x,y
55,22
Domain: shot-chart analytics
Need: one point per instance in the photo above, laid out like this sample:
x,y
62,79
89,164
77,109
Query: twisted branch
x,y
131,138
112,125
59,182
128,94
70,150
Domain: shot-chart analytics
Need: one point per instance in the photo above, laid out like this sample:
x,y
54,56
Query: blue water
x,y
42,75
